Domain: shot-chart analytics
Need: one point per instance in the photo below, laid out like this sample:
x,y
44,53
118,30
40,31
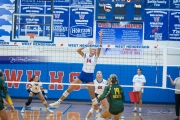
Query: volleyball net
x,y
57,65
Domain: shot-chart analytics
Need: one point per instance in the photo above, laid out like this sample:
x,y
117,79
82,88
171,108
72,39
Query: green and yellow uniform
x,y
115,95
3,88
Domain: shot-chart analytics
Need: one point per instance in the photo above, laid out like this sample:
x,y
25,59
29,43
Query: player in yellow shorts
x,y
115,95
3,88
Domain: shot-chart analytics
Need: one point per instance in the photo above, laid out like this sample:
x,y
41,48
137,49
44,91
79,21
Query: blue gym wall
x,y
125,74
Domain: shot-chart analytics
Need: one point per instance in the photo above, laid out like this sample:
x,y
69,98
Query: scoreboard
x,y
120,10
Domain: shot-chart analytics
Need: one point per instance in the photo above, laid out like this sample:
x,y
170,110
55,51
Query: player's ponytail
x,y
113,80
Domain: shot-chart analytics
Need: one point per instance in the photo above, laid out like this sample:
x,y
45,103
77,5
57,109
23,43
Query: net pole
x,y
164,81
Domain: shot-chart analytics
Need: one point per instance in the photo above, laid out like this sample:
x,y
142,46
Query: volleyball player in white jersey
x,y
86,75
138,83
99,83
35,88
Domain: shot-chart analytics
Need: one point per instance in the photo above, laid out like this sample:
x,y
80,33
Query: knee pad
x,y
65,94
94,101
45,102
91,110
29,101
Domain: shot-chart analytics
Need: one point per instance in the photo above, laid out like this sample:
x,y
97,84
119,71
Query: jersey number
x,y
88,60
99,87
116,91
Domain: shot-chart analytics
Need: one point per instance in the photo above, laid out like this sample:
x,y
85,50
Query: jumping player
x,y
3,88
35,88
86,75
138,82
115,95
99,88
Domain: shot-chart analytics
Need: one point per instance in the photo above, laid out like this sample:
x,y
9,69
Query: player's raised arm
x,y
79,50
100,42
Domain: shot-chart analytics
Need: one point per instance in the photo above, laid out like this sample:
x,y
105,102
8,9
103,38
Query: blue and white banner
x,y
58,3
156,25
83,3
33,2
61,20
81,22
174,4
6,11
174,26
120,33
32,20
158,4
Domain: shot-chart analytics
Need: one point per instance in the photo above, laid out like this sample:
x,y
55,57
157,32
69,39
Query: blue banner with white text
x,y
120,33
157,4
81,22
156,25
83,3
174,26
61,20
174,4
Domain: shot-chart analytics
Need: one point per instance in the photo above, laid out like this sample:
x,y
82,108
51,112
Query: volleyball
x,y
107,7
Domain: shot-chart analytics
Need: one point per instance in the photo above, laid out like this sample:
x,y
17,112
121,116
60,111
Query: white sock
x,y
86,118
24,108
101,107
59,100
135,108
139,108
97,111
47,108
102,119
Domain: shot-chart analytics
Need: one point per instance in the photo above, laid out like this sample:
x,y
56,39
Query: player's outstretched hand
x,y
12,108
100,33
168,76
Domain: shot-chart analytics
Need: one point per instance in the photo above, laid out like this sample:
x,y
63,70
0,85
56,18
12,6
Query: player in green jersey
x,y
3,88
115,95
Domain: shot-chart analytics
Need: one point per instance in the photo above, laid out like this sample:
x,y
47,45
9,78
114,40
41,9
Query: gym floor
x,y
78,111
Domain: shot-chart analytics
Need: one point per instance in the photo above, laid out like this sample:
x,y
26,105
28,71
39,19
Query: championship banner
x,y
37,29
174,26
58,3
83,3
120,33
81,22
61,19
174,4
156,25
157,4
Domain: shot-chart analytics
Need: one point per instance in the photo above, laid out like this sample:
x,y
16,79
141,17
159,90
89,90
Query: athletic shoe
x,y
122,117
134,110
55,104
23,110
49,110
48,115
98,116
